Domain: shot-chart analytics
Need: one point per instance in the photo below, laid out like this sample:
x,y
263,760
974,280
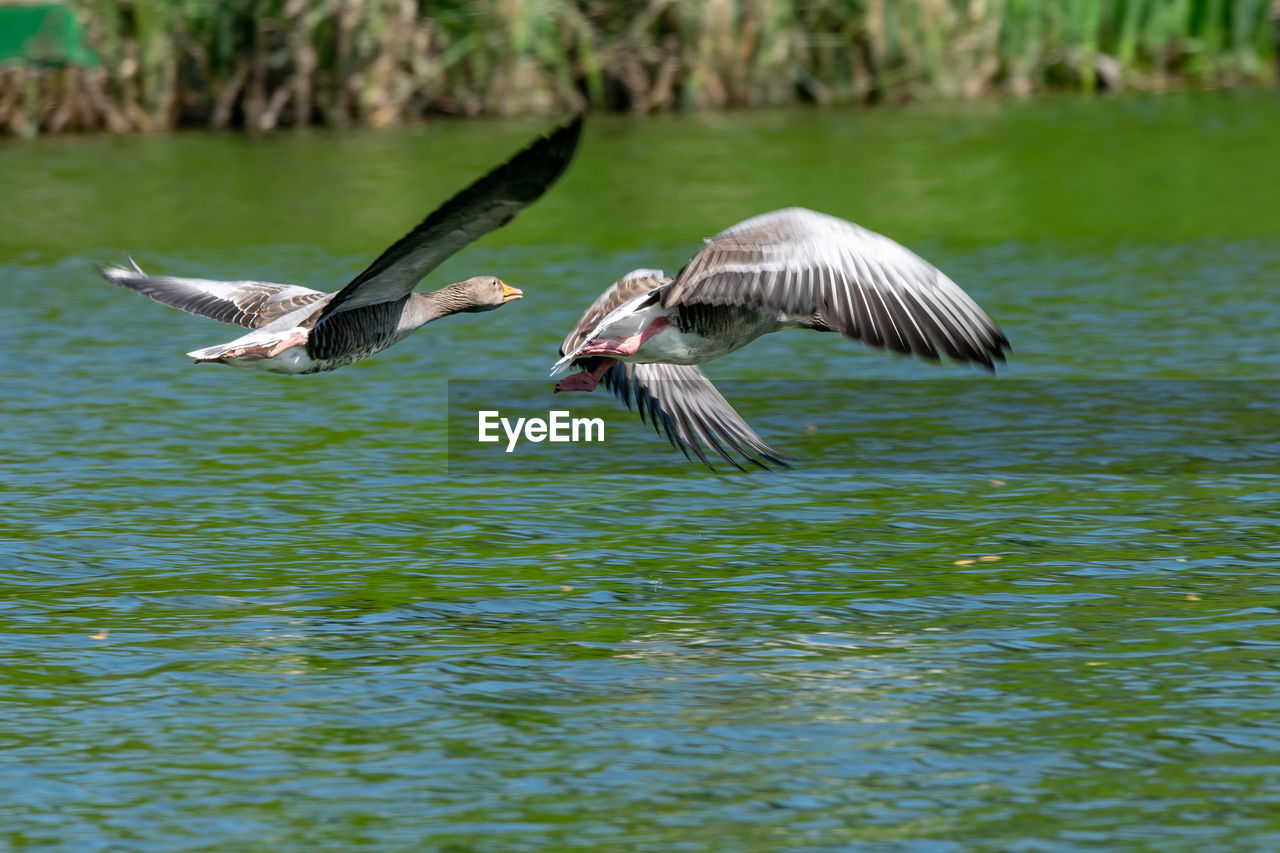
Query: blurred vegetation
x,y
260,64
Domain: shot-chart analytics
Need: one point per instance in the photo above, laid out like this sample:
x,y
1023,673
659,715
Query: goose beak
x,y
510,294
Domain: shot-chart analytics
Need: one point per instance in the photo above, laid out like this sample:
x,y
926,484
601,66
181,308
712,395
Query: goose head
x,y
480,293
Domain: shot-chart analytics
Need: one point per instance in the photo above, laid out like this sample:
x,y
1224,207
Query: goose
x,y
297,330
795,268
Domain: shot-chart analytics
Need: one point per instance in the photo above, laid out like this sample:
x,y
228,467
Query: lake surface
x,y
1032,612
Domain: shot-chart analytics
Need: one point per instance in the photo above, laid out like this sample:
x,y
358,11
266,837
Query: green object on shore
x,y
43,34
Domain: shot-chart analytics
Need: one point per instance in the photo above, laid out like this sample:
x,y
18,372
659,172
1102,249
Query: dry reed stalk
x,y
263,63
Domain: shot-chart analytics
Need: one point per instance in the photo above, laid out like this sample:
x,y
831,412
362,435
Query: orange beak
x,y
510,294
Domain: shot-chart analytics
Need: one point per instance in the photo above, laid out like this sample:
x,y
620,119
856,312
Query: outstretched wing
x,y
486,205
680,401
677,399
251,304
832,274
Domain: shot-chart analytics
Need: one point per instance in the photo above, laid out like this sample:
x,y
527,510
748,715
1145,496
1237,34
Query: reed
x,y
260,64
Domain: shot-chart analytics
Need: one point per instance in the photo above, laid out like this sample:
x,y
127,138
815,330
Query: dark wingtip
x,y
561,144
526,176
565,138
555,149
761,461
996,352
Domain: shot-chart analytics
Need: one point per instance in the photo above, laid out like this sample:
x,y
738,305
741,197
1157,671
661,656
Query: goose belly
x,y
296,360
671,346
291,362
306,364
674,345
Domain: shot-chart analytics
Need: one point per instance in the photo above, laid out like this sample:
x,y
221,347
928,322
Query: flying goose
x,y
299,330
787,269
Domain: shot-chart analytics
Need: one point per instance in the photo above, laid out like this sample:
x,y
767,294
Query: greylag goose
x,y
299,330
788,269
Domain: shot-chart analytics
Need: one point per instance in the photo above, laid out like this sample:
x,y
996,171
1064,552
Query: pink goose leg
x,y
587,380
625,346
263,351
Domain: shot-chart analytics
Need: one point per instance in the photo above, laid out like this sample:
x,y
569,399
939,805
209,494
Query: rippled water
x,y
1032,612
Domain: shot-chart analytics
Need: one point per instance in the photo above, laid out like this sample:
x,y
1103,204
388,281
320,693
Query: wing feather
x,y
682,404
252,304
484,206
818,270
624,289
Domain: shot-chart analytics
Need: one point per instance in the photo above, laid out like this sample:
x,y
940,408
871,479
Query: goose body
x,y
297,330
295,344
689,335
788,269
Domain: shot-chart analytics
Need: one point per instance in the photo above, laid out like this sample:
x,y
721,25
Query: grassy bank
x,y
265,63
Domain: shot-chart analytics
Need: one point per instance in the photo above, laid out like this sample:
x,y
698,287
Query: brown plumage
x,y
788,269
300,330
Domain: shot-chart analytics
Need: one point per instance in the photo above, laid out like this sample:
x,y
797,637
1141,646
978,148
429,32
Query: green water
x,y
250,612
